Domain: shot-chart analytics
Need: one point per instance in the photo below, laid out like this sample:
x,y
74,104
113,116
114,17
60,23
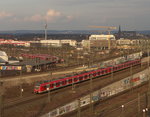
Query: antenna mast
x,y
46,30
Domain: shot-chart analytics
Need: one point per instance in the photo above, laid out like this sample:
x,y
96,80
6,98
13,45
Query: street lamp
x,y
144,113
122,110
21,88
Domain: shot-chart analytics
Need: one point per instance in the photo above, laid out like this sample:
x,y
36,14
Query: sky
x,y
74,14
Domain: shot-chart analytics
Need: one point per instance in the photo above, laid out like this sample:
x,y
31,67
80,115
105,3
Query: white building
x,y
3,57
85,43
69,42
99,41
102,37
15,43
55,43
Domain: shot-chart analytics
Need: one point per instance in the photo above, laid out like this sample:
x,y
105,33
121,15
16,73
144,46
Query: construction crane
x,y
108,29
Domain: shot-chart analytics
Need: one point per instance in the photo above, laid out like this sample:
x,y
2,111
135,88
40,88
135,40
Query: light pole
x,y
73,87
112,75
91,95
49,89
139,107
21,89
79,109
131,74
144,113
122,110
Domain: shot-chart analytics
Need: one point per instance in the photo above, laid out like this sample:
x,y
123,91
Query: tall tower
x,y
46,30
119,32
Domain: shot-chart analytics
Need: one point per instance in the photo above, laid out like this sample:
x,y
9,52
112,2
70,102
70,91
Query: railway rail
x,y
60,68
58,96
112,107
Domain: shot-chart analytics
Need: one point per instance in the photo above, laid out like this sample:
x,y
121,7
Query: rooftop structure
x,y
54,43
15,43
3,57
102,37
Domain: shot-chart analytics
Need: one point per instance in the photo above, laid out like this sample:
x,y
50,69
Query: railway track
x,y
57,69
65,93
112,106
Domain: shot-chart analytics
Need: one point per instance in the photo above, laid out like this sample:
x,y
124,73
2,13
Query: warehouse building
x,y
99,42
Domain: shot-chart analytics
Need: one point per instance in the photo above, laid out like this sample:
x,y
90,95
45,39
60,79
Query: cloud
x,y
51,16
69,17
34,18
4,14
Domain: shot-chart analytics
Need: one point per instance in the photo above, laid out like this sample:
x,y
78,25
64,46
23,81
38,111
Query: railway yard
x,y
74,58
60,83
33,104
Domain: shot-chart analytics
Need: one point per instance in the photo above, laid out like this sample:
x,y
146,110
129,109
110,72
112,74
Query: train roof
x,y
74,75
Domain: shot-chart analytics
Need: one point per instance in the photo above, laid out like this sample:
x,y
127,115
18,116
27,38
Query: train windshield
x,y
36,87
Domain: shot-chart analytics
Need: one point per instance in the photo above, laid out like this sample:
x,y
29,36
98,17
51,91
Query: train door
x,y
102,72
42,88
75,79
109,69
94,74
80,78
70,81
85,77
64,82
57,84
51,86
119,67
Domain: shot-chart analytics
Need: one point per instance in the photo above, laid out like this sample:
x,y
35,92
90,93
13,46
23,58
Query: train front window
x,y
37,87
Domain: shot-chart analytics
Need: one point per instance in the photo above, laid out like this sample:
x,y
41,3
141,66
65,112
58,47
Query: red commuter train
x,y
45,86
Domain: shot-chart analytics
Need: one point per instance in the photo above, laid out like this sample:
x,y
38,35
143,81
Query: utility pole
x,y
91,95
131,74
139,105
79,109
46,29
49,89
21,89
112,75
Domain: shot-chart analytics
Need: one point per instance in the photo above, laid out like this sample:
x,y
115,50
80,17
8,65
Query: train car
x,y
68,80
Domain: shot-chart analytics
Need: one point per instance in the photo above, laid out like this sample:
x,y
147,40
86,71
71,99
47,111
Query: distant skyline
x,y
74,14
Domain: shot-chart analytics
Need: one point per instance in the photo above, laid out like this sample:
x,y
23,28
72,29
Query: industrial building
x,y
102,37
53,43
14,42
100,42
